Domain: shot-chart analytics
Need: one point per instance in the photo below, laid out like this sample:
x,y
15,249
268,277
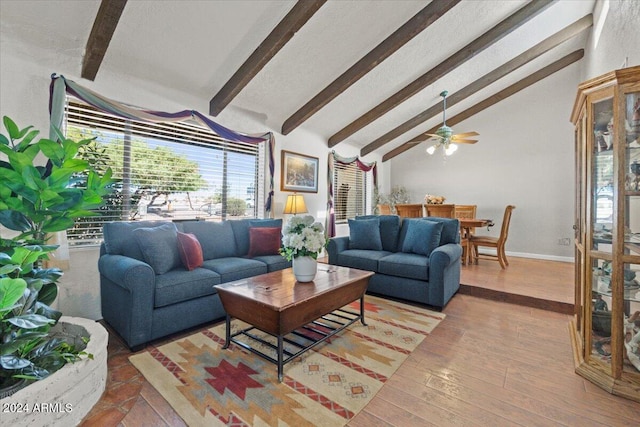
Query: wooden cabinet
x,y
606,327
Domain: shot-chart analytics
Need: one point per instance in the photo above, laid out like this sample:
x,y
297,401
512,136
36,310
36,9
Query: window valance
x,y
60,86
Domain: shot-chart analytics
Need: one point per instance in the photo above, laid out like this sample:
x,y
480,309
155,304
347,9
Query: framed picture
x,y
299,173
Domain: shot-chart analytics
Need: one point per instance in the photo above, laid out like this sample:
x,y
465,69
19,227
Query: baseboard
x,y
534,256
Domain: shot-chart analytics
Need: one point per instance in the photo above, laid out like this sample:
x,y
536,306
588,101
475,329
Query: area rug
x,y
326,386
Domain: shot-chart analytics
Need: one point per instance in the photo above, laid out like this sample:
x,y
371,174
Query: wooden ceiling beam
x,y
103,28
299,14
496,33
494,99
484,81
386,48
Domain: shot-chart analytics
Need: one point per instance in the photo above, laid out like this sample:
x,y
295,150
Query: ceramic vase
x,y
305,268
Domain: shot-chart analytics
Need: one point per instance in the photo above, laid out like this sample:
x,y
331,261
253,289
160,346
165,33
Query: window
x,y
165,171
351,191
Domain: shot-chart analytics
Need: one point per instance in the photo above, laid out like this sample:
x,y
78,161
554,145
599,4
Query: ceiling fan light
x,y
450,149
432,149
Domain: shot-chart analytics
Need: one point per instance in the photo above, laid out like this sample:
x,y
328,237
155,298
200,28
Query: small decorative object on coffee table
x,y
302,241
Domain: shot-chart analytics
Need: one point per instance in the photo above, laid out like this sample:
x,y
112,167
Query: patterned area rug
x,y
326,386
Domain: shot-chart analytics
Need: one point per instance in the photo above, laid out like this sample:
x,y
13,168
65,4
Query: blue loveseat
x,y
147,291
416,259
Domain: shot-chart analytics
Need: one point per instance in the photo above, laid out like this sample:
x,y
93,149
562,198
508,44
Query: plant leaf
x,y
11,127
14,220
30,321
57,224
11,290
52,150
12,362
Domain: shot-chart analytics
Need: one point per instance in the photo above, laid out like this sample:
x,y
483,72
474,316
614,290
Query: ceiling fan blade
x,y
463,141
466,134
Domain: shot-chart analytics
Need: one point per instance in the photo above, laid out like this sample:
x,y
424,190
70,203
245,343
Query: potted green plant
x,y
36,200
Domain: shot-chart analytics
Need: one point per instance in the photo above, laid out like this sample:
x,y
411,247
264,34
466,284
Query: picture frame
x,y
298,173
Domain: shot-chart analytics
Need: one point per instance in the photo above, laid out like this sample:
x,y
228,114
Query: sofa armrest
x,y
445,255
127,291
444,273
127,272
337,245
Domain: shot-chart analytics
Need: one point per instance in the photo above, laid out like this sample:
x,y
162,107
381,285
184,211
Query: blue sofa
x,y
416,259
146,290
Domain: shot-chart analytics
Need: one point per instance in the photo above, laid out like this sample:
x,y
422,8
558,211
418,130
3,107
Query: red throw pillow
x,y
190,251
264,241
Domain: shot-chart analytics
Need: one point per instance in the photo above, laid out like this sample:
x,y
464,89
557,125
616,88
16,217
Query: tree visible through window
x,y
165,171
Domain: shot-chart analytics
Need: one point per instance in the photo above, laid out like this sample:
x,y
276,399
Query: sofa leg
x,y
137,348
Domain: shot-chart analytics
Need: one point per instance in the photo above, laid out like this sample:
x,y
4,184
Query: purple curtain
x,y
60,86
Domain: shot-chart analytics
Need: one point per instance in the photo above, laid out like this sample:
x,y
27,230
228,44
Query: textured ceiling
x,y
196,46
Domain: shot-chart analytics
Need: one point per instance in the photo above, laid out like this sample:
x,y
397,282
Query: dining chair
x,y
442,211
409,210
384,209
465,212
494,242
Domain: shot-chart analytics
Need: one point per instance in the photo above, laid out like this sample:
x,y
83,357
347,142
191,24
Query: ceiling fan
x,y
444,136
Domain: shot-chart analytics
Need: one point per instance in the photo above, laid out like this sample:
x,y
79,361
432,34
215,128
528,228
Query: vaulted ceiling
x,y
368,73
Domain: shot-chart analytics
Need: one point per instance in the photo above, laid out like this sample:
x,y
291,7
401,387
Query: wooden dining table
x,y
466,224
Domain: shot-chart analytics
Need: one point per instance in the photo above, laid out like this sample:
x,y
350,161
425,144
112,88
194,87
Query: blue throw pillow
x,y
365,234
216,238
422,237
389,230
159,247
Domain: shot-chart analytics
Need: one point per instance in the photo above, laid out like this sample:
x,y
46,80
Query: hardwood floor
x,y
489,363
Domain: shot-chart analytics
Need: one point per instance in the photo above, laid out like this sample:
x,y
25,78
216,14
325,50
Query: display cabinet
x,y
606,327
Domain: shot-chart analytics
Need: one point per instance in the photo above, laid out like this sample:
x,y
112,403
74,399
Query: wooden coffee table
x,y
301,314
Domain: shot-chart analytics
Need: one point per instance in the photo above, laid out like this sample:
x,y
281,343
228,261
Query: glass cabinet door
x,y
631,221
603,177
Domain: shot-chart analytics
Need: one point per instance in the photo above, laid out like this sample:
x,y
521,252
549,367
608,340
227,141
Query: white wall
x,y
525,156
24,84
615,40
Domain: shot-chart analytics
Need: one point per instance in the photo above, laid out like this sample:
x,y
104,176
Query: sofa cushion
x,y
234,268
361,258
365,234
190,251
216,238
159,247
118,237
389,230
264,241
412,266
182,285
274,262
422,237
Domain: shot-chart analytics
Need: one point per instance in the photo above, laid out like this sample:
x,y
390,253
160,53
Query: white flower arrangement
x,y
302,236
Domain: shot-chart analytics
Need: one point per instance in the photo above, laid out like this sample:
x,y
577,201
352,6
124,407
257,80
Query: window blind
x,y
349,191
165,171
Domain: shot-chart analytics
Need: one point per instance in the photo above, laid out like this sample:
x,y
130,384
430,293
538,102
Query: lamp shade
x,y
295,204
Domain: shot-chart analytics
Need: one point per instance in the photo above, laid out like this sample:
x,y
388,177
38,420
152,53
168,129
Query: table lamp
x,y
295,204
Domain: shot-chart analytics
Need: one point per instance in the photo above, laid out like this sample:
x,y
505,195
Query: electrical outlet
x,y
565,241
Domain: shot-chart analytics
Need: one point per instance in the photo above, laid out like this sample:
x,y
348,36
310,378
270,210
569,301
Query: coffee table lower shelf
x,y
324,328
